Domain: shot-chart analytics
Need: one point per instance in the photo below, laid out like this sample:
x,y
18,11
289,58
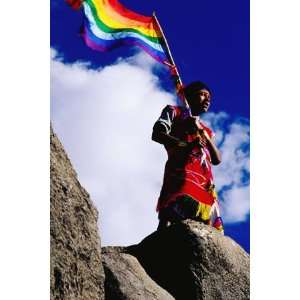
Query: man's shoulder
x,y
176,109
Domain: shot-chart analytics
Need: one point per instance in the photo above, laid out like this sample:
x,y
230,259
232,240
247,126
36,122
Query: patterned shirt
x,y
185,173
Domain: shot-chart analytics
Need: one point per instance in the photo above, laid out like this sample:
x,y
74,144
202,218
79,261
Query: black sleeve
x,y
164,123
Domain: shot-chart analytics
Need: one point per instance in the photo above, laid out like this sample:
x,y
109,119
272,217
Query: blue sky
x,y
209,41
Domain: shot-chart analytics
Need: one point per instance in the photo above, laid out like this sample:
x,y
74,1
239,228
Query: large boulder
x,y
194,261
76,267
125,278
186,261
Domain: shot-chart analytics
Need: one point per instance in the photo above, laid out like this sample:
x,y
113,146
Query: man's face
x,y
200,101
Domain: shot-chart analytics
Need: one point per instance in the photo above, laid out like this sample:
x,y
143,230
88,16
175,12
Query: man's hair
x,y
191,88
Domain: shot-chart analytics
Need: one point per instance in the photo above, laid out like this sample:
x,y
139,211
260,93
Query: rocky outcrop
x,y
194,261
76,266
186,261
126,279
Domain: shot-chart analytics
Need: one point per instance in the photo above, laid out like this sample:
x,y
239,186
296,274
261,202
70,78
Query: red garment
x,y
185,174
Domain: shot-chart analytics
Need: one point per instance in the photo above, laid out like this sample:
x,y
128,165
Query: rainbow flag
x,y
108,24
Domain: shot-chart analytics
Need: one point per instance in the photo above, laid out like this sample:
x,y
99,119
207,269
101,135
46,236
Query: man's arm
x,y
213,151
161,136
206,141
162,128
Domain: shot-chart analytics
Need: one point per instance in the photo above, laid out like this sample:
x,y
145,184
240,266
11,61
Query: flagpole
x,y
170,57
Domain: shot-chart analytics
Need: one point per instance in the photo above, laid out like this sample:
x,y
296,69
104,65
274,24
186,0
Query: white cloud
x,y
235,205
232,175
104,118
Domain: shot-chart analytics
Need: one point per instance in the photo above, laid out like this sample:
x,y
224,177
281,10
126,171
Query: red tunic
x,y
188,174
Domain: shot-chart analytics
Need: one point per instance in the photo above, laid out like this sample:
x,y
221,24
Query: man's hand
x,y
202,141
191,124
188,146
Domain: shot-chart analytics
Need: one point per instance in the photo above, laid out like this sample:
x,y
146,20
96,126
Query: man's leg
x,y
216,219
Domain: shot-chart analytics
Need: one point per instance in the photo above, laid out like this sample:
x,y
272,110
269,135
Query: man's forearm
x,y
214,152
159,135
164,138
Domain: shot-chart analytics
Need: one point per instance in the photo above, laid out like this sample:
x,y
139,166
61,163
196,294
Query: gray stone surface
x,y
194,261
187,261
76,269
127,280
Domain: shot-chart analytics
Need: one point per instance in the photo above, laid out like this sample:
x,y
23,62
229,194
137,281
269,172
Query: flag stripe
x,y
116,35
99,44
107,29
112,21
123,11
107,25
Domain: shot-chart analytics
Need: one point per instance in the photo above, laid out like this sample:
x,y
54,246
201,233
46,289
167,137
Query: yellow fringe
x,y
203,211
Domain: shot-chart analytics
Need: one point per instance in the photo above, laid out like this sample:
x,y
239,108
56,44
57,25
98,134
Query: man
x,y
188,189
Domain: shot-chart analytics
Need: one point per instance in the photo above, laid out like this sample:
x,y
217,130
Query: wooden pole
x,y
170,57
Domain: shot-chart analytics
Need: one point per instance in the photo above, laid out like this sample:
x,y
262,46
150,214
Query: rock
x,y
126,279
194,261
76,269
186,261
